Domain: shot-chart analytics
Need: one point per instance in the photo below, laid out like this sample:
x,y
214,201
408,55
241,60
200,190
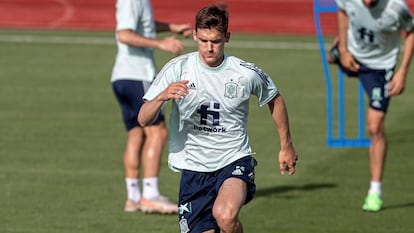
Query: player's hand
x,y
397,85
183,29
176,90
348,62
287,160
171,44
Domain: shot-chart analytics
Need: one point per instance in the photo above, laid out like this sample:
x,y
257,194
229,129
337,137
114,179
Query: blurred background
x,y
294,17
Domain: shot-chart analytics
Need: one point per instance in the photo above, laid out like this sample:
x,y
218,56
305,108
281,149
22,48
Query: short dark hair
x,y
213,16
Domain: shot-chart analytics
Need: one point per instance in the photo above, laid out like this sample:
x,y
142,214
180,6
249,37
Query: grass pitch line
x,y
189,43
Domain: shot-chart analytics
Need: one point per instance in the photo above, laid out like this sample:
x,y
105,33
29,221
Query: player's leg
x,y
230,199
210,231
377,155
378,148
132,149
131,165
156,135
152,201
129,101
375,83
198,191
236,188
155,138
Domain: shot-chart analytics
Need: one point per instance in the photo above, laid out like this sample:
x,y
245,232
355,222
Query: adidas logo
x,y
191,86
238,171
376,104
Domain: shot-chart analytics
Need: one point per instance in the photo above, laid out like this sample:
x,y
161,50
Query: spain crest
x,y
230,90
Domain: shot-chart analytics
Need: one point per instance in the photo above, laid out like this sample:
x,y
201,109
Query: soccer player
x,y
210,94
133,71
368,47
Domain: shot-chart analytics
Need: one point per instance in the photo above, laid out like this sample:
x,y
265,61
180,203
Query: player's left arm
x,y
287,154
397,84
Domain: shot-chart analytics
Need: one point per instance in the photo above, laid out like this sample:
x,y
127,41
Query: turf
x,y
62,139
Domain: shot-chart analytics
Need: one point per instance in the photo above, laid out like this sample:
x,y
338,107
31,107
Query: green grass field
x,y
62,139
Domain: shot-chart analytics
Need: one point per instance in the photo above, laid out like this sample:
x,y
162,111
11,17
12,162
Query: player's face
x,y
370,3
211,45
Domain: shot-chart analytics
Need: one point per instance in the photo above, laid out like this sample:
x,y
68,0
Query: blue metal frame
x,y
340,140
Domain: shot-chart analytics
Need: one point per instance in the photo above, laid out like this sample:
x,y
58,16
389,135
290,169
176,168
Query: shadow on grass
x,y
397,206
287,188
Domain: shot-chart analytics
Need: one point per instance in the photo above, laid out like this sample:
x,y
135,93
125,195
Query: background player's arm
x,y
168,44
347,61
397,84
183,29
131,38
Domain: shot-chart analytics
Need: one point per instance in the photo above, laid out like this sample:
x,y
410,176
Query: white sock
x,y
134,193
375,187
150,187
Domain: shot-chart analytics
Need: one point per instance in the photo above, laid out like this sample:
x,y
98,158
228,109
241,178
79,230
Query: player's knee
x,y
163,134
226,219
158,132
375,130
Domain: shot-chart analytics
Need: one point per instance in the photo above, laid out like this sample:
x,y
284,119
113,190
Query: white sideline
x,y
188,43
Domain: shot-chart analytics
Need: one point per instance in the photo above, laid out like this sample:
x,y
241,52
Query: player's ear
x,y
227,36
194,35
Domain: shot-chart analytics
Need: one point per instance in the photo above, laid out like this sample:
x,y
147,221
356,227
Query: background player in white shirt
x,y
369,38
210,93
133,71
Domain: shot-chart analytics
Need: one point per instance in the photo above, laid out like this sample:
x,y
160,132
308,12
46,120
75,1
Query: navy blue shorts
x,y
198,191
375,82
129,94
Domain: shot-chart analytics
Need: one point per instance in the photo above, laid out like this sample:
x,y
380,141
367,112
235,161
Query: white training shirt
x,y
374,34
133,63
208,127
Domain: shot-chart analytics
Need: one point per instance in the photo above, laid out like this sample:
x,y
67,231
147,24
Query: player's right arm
x,y
150,109
347,60
168,44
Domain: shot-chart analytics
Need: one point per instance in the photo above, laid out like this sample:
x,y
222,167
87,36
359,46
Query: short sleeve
x,y
127,14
